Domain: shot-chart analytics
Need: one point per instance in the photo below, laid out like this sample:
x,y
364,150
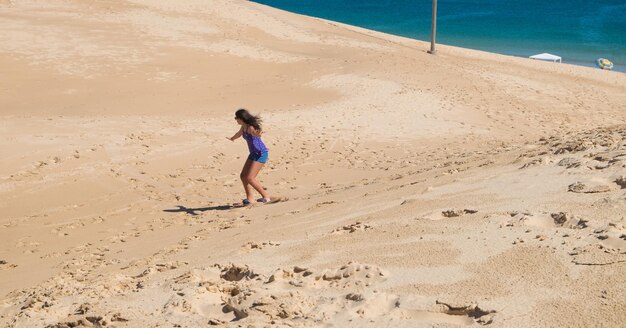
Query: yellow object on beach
x,y
604,63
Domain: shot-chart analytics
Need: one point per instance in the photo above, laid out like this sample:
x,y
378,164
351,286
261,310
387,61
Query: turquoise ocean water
x,y
580,31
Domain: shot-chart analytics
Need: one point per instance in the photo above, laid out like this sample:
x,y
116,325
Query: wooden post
x,y
434,29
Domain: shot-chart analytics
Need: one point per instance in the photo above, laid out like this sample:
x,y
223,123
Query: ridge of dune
x,y
466,188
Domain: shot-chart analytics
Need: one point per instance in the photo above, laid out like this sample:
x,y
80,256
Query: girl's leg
x,y
255,167
245,173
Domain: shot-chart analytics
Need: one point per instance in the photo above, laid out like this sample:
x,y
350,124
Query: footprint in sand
x,y
354,227
590,187
85,316
4,265
318,205
534,162
567,220
544,220
234,272
597,254
455,213
177,305
480,316
621,181
160,267
254,245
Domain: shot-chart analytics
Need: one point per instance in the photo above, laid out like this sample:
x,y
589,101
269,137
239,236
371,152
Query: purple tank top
x,y
255,144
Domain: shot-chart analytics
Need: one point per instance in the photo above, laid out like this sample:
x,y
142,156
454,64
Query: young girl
x,y
251,131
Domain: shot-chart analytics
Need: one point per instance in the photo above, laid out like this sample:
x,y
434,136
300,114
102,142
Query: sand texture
x,y
462,189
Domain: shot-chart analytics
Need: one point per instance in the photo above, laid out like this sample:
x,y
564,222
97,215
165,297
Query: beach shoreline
x,y
463,33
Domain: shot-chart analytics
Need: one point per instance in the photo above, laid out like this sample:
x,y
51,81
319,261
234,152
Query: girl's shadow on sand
x,y
193,211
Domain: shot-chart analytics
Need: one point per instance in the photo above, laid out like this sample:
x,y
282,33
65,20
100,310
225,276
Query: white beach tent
x,y
546,56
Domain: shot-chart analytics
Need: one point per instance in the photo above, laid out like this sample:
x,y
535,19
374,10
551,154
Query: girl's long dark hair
x,y
249,119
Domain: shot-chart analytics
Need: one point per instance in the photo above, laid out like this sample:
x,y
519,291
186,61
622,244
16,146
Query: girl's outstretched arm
x,y
236,135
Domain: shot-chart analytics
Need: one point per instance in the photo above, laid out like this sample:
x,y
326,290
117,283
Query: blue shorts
x,y
261,158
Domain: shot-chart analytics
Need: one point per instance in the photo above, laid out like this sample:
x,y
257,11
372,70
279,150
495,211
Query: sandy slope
x,y
460,189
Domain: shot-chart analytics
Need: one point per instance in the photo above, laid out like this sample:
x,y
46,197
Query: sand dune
x,y
460,189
